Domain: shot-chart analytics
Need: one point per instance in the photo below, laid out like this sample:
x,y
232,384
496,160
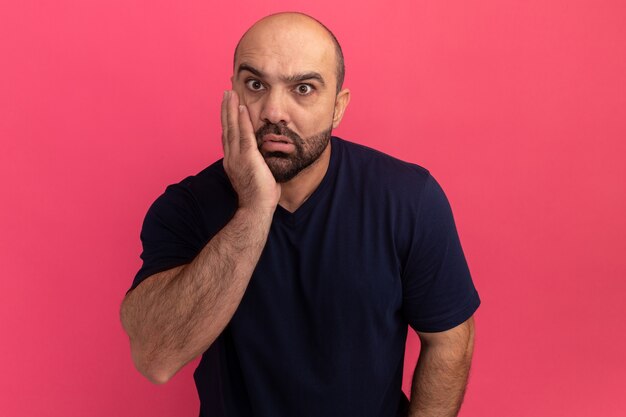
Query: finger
x,y
232,122
247,139
224,122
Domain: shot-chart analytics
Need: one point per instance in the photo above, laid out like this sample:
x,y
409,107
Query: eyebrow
x,y
295,78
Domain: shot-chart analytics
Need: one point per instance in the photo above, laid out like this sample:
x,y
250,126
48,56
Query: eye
x,y
254,85
304,89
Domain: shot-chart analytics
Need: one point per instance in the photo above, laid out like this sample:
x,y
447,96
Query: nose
x,y
274,107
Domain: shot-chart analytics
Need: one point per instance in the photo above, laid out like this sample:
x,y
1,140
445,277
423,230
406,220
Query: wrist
x,y
258,214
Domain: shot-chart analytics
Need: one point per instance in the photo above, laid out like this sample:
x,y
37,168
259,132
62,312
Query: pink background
x,y
517,107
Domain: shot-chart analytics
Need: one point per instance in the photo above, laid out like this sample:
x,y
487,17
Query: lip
x,y
277,143
270,137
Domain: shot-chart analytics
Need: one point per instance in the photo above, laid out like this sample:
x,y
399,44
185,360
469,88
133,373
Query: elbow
x,y
143,361
154,370
157,377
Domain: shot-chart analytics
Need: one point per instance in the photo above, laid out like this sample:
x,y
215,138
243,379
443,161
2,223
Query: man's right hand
x,y
175,315
248,173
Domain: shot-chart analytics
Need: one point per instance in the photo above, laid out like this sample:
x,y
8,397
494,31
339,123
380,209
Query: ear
x,y
341,102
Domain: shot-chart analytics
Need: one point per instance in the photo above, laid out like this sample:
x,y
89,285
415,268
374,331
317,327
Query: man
x,y
295,264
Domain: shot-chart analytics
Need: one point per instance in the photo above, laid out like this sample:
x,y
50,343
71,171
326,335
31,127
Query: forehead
x,y
286,48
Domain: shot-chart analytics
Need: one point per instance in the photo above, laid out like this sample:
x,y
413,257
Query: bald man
x,y
295,264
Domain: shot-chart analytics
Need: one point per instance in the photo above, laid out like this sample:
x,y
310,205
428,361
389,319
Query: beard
x,y
286,166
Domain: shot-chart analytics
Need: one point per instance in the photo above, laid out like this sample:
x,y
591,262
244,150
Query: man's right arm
x,y
175,315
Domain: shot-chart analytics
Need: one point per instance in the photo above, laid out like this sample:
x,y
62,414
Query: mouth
x,y
277,144
276,139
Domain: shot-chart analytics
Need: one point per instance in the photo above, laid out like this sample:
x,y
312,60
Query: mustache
x,y
277,129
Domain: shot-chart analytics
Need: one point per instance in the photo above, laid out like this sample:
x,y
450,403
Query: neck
x,y
297,190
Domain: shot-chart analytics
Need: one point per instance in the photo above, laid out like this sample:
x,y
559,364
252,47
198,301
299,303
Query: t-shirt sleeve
x,y
438,292
171,233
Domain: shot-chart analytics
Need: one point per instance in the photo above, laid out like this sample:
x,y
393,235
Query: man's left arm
x,y
442,370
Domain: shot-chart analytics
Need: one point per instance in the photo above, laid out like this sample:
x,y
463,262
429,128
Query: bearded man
x,y
295,264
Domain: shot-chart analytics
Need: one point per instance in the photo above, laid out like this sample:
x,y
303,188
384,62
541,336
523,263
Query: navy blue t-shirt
x,y
322,326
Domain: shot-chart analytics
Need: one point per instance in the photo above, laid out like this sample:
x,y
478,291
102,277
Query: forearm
x,y
440,377
173,318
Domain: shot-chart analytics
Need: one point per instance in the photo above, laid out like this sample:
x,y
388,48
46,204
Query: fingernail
x,y
241,108
225,94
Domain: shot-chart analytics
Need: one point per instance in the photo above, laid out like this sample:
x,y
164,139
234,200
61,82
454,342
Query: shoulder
x,y
205,194
212,178
377,170
211,181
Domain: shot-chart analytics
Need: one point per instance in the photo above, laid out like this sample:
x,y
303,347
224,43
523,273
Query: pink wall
x,y
517,107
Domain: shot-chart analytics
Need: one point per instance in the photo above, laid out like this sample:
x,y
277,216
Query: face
x,y
285,75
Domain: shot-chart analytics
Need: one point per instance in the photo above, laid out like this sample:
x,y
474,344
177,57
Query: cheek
x,y
251,102
254,109
314,121
246,97
306,119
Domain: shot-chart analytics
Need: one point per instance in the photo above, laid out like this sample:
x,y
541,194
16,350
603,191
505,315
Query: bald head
x,y
293,28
